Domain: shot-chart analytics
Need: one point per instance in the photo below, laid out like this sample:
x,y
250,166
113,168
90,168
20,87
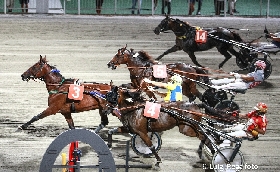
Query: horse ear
x,y
41,59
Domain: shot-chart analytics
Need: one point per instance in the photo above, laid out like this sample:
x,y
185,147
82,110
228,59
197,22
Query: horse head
x,y
163,26
128,97
37,71
180,28
43,71
120,57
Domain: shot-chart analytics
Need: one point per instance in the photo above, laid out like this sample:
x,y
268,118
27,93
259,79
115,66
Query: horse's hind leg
x,y
104,119
148,142
113,131
69,120
227,56
171,50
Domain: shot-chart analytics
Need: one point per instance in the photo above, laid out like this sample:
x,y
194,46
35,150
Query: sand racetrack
x,y
80,47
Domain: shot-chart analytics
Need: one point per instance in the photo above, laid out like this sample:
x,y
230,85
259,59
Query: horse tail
x,y
236,37
203,75
231,34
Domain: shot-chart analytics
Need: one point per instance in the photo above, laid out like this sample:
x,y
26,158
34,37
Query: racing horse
x,y
140,66
186,39
131,109
94,95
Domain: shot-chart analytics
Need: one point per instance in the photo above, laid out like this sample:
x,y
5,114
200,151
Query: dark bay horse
x,y
140,66
185,39
94,94
131,109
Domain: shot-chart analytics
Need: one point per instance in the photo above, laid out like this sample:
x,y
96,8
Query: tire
x,y
211,97
267,70
207,152
241,64
245,58
227,105
220,165
140,148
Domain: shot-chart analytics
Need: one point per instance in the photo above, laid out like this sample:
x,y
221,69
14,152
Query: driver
x,y
242,82
274,46
174,88
257,123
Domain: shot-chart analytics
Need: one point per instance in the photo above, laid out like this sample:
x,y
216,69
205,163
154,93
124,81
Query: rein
x,y
199,114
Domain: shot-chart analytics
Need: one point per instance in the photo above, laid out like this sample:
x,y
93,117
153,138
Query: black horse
x,y
185,39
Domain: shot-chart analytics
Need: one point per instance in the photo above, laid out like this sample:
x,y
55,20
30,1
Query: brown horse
x,y
131,107
140,66
58,88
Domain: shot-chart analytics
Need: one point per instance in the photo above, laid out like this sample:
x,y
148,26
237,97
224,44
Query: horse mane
x,y
55,70
145,56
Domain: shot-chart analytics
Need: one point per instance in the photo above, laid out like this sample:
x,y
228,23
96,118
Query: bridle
x,y
42,78
179,34
31,70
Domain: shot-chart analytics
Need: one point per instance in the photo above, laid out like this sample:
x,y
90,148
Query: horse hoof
x,y
19,129
109,146
157,164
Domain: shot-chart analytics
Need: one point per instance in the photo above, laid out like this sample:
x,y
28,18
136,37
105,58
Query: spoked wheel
x,y
227,105
220,164
207,152
211,96
140,148
241,64
245,58
267,70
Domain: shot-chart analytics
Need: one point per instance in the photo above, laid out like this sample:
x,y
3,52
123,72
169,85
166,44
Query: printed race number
x,y
201,36
159,71
152,110
76,92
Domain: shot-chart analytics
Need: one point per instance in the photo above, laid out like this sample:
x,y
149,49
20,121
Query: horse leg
x,y
193,58
148,142
113,131
235,53
226,54
35,118
49,111
186,91
104,120
195,91
69,120
171,50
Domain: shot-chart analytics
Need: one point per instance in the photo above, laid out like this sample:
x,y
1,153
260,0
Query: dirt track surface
x,y
80,47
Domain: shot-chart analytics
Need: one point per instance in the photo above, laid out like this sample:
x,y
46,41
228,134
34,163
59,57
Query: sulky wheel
x,y
140,148
267,70
245,58
227,105
211,96
207,152
220,164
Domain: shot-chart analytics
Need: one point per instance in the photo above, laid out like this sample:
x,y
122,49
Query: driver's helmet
x,y
176,79
260,64
262,107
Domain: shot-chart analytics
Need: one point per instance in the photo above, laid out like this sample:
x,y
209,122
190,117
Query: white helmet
x,y
262,107
260,64
176,79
